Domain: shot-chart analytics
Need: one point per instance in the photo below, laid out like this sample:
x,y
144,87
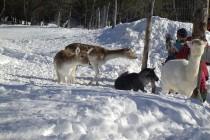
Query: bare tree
x,y
3,9
107,14
59,11
91,15
147,34
115,14
25,11
59,18
85,16
199,28
69,16
200,19
174,9
103,16
99,18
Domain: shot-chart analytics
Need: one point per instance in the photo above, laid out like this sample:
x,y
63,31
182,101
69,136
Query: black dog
x,y
136,81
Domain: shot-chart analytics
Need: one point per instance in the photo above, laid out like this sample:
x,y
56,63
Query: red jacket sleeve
x,y
204,69
183,53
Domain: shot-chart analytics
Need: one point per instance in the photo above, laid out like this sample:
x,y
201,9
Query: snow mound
x,y
34,107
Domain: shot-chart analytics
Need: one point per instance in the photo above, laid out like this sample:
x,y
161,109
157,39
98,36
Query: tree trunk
x,y
3,9
103,16
25,12
69,18
115,14
200,19
59,18
94,21
107,14
91,15
174,10
85,20
199,28
98,15
147,34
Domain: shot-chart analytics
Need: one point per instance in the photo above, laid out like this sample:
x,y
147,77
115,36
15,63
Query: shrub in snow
x,y
181,75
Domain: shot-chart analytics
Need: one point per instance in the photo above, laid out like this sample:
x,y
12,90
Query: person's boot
x,y
204,95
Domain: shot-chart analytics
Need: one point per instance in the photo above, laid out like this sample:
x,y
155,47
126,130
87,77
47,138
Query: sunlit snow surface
x,y
34,107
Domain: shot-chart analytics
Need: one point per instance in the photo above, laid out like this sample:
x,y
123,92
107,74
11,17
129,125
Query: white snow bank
x,y
60,112
34,107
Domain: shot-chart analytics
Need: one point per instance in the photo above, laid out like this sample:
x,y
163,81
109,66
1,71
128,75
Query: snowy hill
x,y
34,107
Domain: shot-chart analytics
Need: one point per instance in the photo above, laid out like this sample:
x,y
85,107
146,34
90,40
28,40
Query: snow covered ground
x,y
34,107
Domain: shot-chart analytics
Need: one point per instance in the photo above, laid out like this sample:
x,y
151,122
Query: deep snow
x,y
34,107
